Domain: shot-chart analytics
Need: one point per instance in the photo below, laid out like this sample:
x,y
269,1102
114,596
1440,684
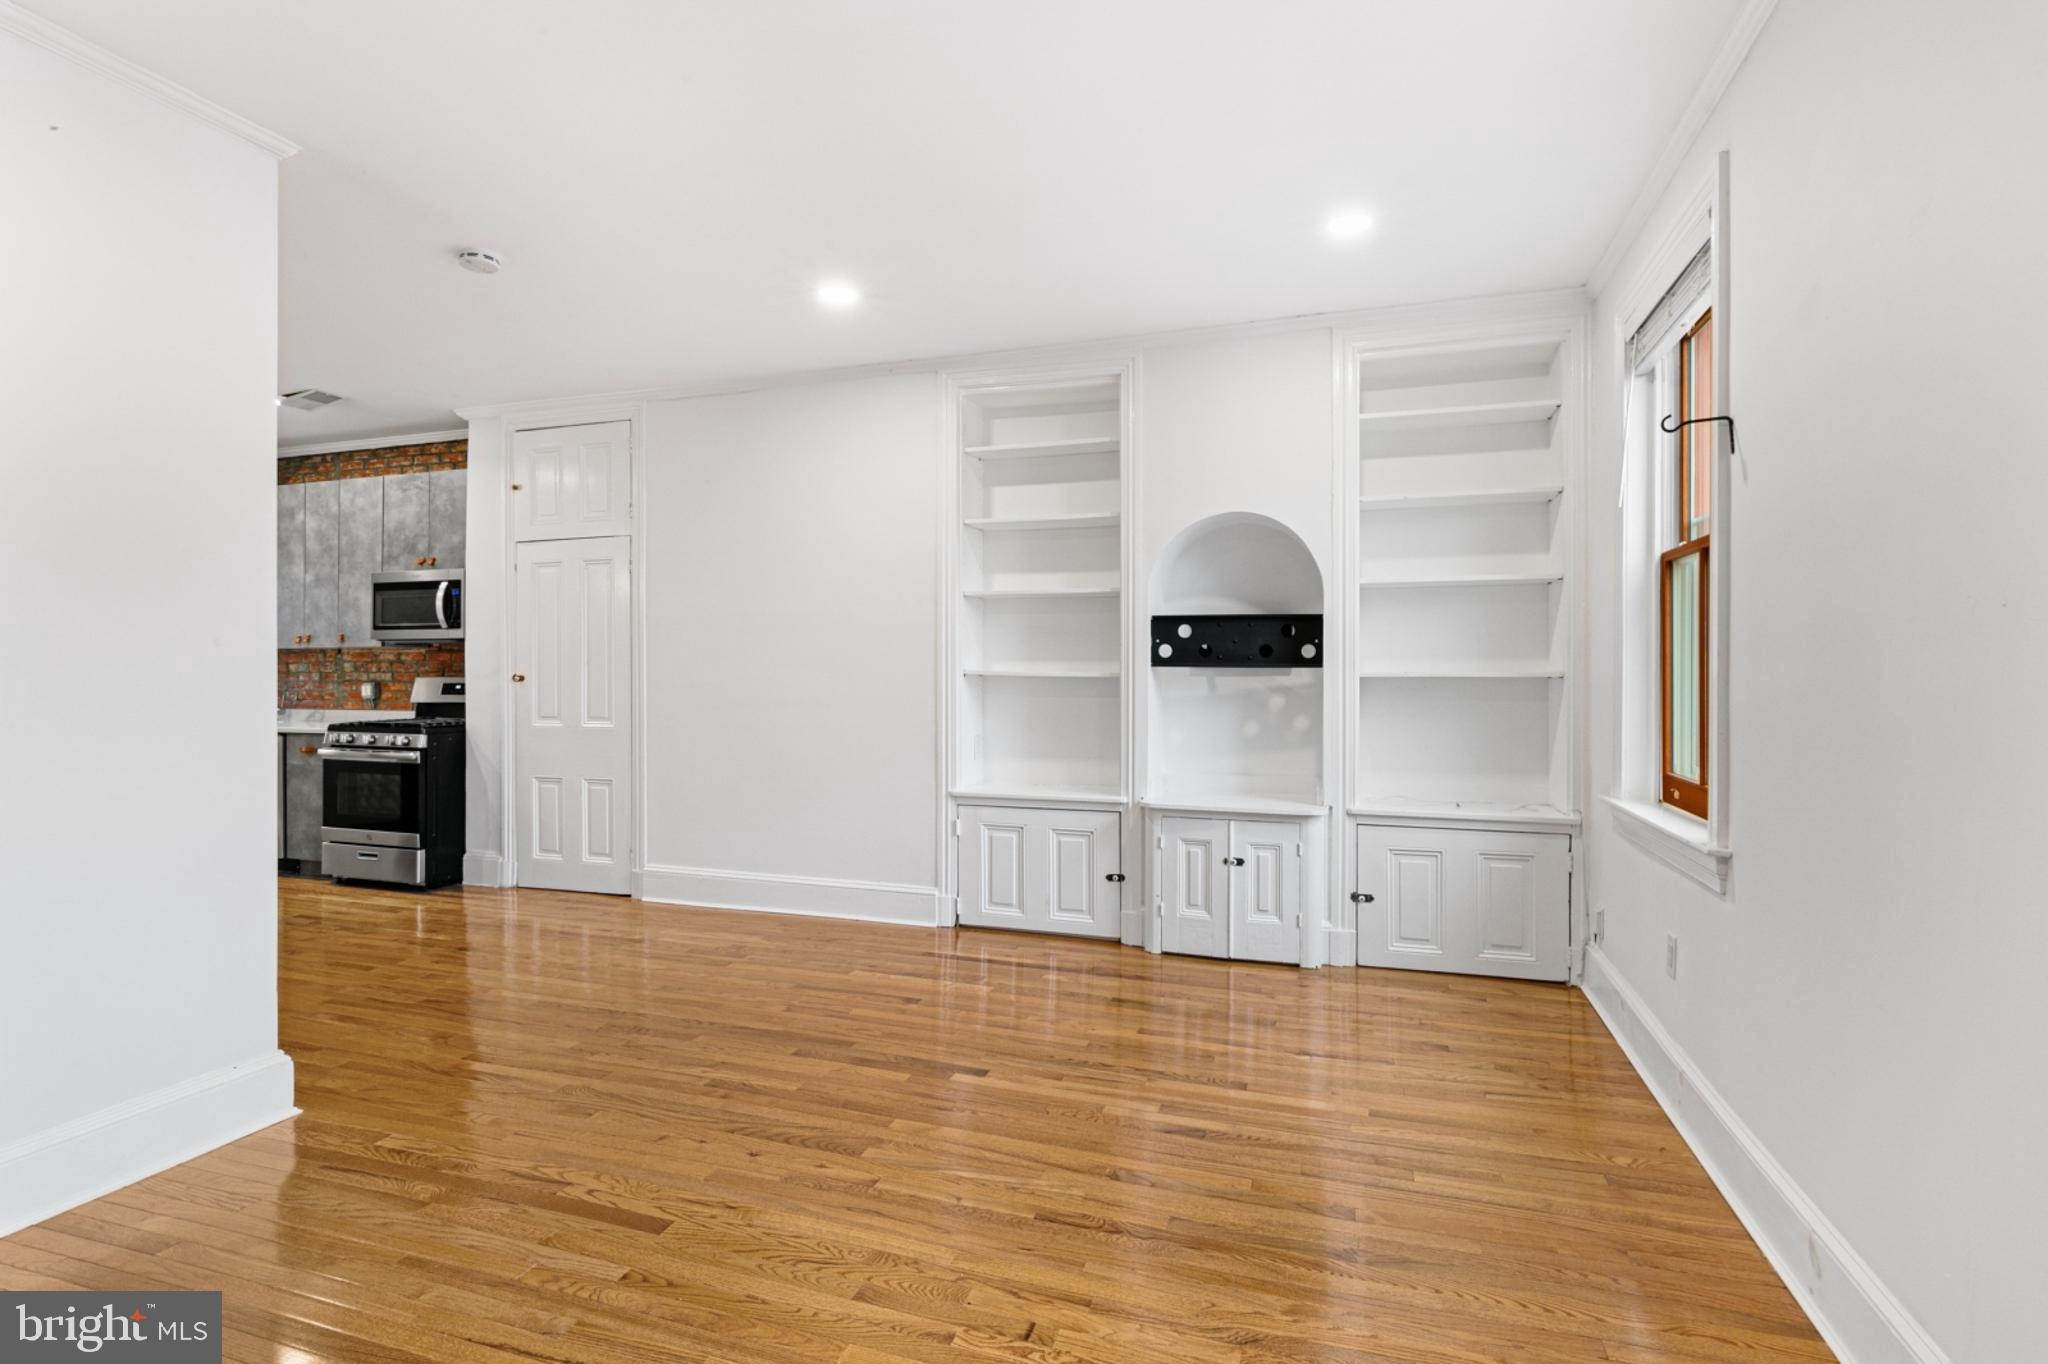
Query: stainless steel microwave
x,y
417,605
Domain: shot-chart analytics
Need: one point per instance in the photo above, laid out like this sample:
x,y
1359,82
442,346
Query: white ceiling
x,y
668,181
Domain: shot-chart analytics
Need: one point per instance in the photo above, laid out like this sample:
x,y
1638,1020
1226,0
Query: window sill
x,y
1675,839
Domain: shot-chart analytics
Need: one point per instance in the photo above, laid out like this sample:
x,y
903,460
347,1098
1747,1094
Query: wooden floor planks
x,y
568,1128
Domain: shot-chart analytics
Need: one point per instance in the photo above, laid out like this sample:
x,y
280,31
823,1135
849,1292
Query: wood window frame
x,y
1674,790
1692,443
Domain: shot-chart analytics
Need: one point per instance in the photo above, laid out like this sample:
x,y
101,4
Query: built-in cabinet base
x,y
1474,901
1045,871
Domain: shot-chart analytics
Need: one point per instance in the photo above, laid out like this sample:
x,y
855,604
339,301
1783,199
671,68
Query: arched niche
x,y
1235,737
1237,562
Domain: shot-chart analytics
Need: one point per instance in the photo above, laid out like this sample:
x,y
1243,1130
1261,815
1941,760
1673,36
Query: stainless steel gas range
x,y
391,792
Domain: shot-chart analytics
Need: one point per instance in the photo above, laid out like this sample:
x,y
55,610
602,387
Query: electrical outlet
x,y
1671,955
1599,925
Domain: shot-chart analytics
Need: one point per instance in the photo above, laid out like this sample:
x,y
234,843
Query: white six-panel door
x,y
1049,871
572,714
1465,900
572,481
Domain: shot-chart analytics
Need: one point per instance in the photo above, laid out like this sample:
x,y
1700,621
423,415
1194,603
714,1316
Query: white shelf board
x,y
1046,670
1027,593
1037,449
1461,414
1478,670
1462,812
1461,579
1474,497
1081,521
1032,795
1224,803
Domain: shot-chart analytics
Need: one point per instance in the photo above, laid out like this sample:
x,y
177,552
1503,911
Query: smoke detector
x,y
308,399
483,262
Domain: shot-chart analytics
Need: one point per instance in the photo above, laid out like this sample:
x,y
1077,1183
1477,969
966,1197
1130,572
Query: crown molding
x,y
1111,351
40,31
340,447
1705,99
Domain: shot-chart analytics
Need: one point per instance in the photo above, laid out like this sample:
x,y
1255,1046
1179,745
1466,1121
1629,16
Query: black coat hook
x,y
1670,427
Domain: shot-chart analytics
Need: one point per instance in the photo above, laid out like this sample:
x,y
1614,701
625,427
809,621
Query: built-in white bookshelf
x,y
1462,640
1039,615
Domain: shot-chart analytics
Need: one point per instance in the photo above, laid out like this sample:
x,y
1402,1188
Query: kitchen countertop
x,y
316,721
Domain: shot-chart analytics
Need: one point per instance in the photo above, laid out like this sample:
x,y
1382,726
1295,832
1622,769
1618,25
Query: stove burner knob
x,y
402,740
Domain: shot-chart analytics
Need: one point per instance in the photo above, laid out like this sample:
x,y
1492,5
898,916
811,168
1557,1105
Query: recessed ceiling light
x,y
1348,224
837,294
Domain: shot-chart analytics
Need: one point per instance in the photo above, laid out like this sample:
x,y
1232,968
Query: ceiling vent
x,y
309,399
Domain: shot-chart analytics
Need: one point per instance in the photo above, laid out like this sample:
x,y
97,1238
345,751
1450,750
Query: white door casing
x,y
572,714
1195,911
572,481
1472,901
1046,871
1265,891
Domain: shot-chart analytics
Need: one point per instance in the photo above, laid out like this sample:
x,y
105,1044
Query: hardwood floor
x,y
554,1127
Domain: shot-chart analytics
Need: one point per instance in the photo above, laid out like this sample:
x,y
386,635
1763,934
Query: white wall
x,y
789,559
1867,999
138,364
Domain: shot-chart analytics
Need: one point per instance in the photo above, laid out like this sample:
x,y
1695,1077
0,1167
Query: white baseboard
x,y
75,1162
483,869
872,901
1340,947
1862,1321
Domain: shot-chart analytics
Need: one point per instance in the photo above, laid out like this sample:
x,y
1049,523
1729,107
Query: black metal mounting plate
x,y
1247,641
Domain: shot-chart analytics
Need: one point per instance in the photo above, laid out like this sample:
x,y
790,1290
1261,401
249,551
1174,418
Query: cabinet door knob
x,y
1359,897
341,639
515,487
1114,876
1233,861
309,749
518,677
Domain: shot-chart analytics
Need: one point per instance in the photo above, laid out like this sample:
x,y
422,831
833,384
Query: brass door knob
x,y
518,677
309,749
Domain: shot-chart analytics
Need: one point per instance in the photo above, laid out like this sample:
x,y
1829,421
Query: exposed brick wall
x,y
392,459
331,679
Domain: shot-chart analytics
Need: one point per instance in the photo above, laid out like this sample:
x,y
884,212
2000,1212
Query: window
x,y
1682,573
1669,794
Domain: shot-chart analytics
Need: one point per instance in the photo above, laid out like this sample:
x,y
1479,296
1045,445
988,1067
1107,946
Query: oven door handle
x,y
369,755
441,604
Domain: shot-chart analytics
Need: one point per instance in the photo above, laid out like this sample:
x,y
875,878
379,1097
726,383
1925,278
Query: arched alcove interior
x,y
1223,735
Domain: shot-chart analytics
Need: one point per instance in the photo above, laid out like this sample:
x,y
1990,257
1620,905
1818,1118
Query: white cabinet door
x,y
572,480
1194,887
1465,900
572,714
1048,871
1265,891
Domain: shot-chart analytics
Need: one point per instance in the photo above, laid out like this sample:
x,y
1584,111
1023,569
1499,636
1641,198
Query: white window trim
x,y
1698,848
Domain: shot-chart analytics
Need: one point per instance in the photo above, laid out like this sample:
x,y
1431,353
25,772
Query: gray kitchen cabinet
x,y
302,797
405,521
447,506
323,563
291,563
362,554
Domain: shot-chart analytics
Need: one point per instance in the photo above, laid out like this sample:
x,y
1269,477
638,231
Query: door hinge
x,y
956,826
